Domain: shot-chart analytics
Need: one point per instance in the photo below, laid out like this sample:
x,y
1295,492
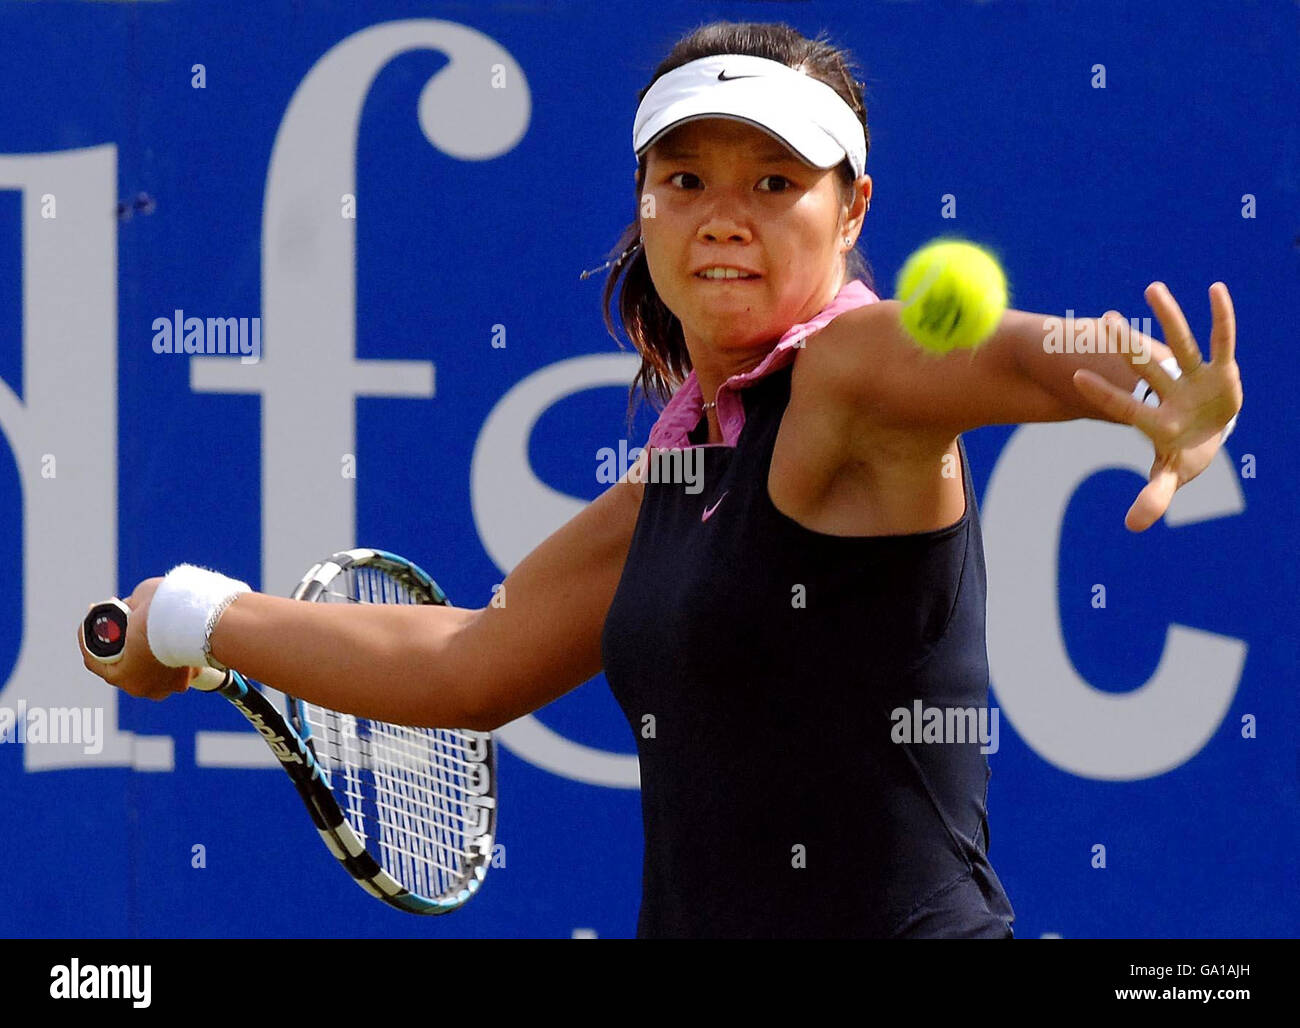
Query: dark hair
x,y
653,329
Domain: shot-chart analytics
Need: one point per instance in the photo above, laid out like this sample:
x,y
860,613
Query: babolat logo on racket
x,y
283,751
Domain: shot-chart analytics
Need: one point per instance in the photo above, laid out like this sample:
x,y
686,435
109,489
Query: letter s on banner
x,y
502,484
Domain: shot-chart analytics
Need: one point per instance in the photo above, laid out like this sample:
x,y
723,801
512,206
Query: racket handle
x,y
209,679
104,633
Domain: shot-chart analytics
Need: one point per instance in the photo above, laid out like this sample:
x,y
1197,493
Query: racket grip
x,y
209,679
104,632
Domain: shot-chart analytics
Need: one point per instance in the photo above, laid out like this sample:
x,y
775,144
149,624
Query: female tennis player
x,y
757,632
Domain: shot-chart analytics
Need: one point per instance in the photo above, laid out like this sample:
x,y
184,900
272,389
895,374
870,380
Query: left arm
x,y
1011,379
1053,371
886,382
1015,377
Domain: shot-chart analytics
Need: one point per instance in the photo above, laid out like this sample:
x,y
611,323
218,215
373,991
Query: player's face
x,y
728,194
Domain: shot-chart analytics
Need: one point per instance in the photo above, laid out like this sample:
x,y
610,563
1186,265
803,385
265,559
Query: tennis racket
x,y
410,813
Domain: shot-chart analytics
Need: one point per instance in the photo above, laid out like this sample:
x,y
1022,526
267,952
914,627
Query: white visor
x,y
806,115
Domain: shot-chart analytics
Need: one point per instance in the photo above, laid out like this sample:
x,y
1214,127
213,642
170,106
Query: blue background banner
x,y
404,194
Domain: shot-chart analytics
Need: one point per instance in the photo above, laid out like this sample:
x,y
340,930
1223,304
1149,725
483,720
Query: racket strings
x,y
413,796
414,748
420,797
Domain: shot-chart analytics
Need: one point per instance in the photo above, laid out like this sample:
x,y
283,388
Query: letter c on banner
x,y
1086,731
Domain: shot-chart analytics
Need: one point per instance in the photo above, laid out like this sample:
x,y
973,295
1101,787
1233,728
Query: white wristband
x,y
183,612
1143,393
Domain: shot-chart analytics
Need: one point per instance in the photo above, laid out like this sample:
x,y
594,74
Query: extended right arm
x,y
431,665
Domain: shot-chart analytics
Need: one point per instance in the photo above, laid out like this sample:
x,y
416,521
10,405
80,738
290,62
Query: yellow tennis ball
x,y
953,295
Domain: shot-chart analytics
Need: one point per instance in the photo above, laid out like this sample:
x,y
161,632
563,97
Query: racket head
x,y
418,804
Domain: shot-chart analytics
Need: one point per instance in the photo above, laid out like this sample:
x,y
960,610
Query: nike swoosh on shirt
x,y
708,511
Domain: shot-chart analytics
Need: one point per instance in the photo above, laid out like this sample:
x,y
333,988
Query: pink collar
x,y
683,411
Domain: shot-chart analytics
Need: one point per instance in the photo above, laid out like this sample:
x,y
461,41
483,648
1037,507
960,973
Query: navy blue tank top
x,y
761,666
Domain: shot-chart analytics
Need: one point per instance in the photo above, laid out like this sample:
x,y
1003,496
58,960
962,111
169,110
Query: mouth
x,y
723,273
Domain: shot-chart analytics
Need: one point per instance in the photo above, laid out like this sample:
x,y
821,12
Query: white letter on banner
x,y
514,510
1086,731
309,363
69,409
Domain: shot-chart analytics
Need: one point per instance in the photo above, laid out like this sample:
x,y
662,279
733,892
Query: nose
x,y
726,216
719,229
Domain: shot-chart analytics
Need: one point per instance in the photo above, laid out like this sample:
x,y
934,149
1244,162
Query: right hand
x,y
138,672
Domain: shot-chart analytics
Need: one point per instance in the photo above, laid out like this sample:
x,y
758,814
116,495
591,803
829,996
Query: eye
x,y
688,174
784,186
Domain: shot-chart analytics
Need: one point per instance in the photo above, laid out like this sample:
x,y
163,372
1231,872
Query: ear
x,y
856,212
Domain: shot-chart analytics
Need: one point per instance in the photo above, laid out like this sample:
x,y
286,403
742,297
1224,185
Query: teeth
x,y
722,273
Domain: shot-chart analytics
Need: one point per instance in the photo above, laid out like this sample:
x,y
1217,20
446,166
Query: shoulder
x,y
849,372
838,358
833,368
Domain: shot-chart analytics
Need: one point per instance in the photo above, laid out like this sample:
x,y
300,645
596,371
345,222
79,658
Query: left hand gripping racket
x,y
410,813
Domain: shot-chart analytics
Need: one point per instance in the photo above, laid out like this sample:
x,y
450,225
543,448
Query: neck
x,y
711,371
713,364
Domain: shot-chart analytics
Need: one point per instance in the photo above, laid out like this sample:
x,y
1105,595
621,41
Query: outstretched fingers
x,y
1178,336
1153,500
1116,403
1120,338
1223,334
